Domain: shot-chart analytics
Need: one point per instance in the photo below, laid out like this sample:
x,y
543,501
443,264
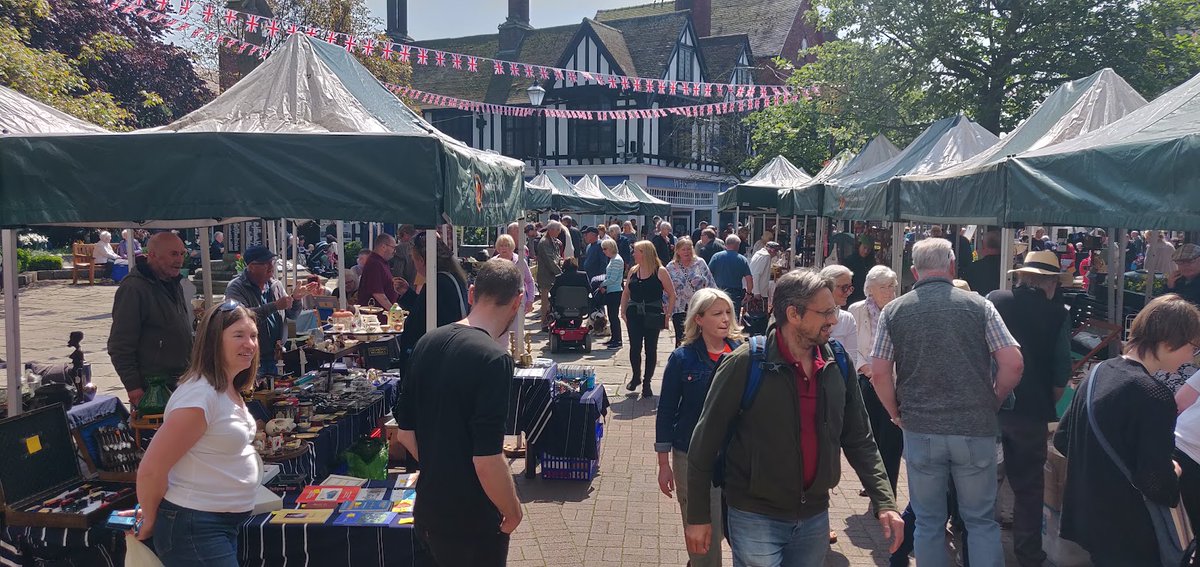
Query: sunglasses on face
x,y
847,288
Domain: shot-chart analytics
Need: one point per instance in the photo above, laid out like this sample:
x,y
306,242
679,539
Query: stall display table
x,y
570,431
102,411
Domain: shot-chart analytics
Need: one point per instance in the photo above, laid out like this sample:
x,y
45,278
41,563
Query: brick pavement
x,y
620,518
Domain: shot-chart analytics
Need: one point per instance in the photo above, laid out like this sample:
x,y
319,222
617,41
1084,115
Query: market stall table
x,y
571,430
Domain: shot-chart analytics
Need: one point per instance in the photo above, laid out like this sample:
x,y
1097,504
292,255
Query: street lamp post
x,y
536,95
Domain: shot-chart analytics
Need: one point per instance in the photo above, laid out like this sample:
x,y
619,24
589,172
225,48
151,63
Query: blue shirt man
x,y
594,260
731,271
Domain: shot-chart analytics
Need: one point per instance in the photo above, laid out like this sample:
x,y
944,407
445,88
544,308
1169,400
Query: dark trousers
x,y
612,302
454,549
1189,489
678,320
642,335
888,437
1024,440
737,295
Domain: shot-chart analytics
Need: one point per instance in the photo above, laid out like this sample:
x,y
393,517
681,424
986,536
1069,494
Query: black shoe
x,y
633,384
613,346
646,391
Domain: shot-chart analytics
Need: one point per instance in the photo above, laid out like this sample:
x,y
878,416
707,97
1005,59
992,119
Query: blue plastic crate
x,y
573,468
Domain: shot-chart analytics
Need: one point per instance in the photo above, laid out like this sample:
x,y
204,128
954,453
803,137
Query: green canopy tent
x,y
760,193
564,196
864,195
538,195
972,192
807,200
1140,171
613,203
649,205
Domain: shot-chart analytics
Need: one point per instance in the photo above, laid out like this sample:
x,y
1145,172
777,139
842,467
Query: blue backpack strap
x,y
842,358
758,356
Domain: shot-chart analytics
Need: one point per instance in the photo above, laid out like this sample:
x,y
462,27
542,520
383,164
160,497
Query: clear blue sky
x,y
434,19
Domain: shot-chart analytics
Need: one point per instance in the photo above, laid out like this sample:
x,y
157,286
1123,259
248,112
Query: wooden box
x,y
41,465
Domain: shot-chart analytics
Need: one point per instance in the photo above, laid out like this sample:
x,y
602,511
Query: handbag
x,y
137,554
1171,526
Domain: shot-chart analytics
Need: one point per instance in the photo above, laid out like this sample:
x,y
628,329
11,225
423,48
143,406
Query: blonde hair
x,y
609,244
506,240
207,355
681,242
649,254
701,302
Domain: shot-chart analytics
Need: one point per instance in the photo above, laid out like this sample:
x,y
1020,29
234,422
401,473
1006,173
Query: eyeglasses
x,y
847,288
828,314
229,305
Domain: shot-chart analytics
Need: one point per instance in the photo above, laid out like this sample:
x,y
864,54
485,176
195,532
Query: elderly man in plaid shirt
x,y
942,342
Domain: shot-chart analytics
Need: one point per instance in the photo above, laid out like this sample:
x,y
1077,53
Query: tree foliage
x,y
107,67
898,65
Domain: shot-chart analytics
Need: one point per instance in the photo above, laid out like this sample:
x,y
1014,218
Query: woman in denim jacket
x,y
710,331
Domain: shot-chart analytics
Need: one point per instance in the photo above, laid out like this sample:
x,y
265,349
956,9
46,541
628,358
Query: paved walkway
x,y
620,518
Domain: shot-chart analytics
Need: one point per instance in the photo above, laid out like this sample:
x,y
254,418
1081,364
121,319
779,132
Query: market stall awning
x,y
1141,171
564,196
649,205
20,114
538,195
809,199
864,195
310,133
592,187
972,192
761,192
877,151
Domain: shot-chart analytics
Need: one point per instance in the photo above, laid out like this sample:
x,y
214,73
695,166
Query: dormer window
x,y
686,63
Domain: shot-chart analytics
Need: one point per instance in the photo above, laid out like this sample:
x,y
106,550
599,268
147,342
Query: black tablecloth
x,y
571,431
261,543
529,398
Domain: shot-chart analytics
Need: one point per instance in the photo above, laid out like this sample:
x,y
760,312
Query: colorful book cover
x,y
364,505
372,494
404,519
326,496
369,518
343,480
305,516
407,480
405,503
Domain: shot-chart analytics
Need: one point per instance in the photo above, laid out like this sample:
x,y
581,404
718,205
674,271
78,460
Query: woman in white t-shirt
x,y
1187,445
197,481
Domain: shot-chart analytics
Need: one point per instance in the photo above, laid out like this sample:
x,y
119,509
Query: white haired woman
x,y
881,283
103,254
505,248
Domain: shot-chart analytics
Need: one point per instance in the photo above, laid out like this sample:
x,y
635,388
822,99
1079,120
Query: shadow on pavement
x,y
627,406
537,490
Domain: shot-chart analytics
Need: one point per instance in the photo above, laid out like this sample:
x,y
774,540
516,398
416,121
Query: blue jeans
x,y
970,463
191,538
761,541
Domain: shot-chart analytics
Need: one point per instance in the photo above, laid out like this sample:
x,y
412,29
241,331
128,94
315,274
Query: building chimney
x,y
701,15
512,31
397,21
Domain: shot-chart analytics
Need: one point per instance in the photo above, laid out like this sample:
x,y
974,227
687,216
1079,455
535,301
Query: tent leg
x,y
206,273
12,321
898,250
1007,235
792,245
819,247
430,280
1118,282
295,255
341,270
518,325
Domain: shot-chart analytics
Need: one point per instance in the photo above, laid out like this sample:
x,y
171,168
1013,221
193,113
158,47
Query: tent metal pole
x,y
371,236
12,321
130,256
206,274
819,247
1119,280
1007,236
295,255
898,249
518,325
341,270
430,279
792,245
282,240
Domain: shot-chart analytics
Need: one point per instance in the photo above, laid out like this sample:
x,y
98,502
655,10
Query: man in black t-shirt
x,y
451,418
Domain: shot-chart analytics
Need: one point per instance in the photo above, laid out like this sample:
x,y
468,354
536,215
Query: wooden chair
x,y
83,259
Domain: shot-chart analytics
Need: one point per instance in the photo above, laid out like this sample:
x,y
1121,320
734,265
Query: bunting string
x,y
176,13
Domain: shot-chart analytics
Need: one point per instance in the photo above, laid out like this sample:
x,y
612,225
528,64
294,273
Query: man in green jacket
x,y
784,455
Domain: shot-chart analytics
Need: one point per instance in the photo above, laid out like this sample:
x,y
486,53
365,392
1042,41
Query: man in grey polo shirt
x,y
943,342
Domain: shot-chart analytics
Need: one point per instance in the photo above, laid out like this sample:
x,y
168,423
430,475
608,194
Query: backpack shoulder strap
x,y
758,356
842,358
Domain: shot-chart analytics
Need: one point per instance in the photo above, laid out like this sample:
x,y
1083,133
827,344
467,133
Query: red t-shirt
x,y
715,356
376,278
806,386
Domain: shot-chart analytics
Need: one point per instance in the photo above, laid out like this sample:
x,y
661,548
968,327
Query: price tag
x,y
33,444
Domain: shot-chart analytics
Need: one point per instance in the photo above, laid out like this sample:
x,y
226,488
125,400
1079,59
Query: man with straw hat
x,y
1042,327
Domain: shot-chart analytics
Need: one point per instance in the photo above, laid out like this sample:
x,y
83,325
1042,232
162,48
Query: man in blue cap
x,y
257,289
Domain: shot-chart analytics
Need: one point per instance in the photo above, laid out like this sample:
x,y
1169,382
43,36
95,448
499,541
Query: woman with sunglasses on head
x,y
1122,414
689,274
451,293
711,331
197,481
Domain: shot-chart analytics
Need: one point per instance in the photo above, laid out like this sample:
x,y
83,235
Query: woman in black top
x,y
642,308
451,294
1102,510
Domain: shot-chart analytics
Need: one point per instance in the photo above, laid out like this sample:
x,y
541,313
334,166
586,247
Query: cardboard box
x,y
1055,472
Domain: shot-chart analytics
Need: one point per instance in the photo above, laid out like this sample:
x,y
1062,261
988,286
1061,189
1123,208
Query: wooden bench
x,y
83,259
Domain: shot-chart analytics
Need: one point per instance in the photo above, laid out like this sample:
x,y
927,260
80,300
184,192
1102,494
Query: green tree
x,y
799,132
896,65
